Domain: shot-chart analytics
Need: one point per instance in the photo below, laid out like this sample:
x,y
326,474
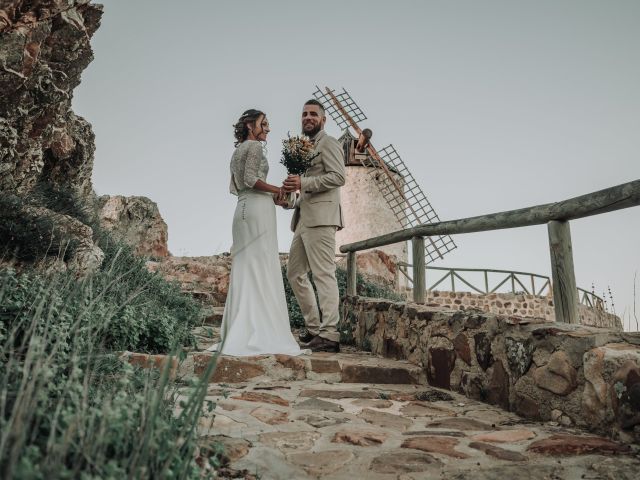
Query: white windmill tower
x,y
380,194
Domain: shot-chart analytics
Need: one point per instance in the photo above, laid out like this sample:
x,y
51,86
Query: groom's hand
x,y
292,183
280,198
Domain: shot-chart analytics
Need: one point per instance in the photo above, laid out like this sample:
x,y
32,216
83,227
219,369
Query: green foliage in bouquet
x,y
297,154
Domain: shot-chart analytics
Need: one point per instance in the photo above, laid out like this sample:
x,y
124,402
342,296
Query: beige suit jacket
x,y
319,200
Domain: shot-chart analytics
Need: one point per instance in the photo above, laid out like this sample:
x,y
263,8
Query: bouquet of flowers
x,y
297,153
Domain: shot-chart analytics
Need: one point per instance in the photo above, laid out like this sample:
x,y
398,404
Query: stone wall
x,y
519,304
569,374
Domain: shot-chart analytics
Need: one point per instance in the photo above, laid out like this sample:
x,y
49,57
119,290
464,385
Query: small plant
x,y
619,389
613,306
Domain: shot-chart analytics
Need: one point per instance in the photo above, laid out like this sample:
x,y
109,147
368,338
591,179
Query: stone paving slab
x,y
309,428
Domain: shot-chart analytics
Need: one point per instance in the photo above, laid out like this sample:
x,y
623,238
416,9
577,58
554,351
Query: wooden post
x,y
419,270
351,274
565,293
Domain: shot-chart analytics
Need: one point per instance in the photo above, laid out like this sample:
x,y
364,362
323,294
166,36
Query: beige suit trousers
x,y
313,249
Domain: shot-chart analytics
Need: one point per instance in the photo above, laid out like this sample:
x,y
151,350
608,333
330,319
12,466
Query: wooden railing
x,y
591,300
508,281
518,281
555,215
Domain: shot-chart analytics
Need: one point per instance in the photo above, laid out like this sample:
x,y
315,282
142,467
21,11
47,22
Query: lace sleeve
x,y
252,164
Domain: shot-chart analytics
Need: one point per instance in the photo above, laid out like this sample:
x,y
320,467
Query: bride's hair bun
x,y
241,129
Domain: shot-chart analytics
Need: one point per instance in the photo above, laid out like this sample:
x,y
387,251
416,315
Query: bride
x,y
255,319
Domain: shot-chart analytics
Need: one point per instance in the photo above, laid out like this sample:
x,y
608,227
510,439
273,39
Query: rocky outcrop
x,y
44,47
376,266
206,278
137,222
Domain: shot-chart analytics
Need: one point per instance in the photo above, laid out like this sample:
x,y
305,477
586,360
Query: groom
x,y
317,216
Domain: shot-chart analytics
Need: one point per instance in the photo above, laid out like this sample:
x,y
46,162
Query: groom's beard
x,y
313,132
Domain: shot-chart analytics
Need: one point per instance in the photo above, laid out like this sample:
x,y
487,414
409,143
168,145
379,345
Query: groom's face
x,y
313,120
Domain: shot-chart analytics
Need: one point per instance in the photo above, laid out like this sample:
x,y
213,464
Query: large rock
x,y
375,265
519,355
206,278
483,350
137,222
558,375
612,387
498,393
440,361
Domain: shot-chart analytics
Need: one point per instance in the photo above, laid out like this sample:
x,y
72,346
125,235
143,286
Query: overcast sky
x,y
493,105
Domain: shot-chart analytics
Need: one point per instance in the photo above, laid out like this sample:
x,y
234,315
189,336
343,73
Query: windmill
x,y
404,203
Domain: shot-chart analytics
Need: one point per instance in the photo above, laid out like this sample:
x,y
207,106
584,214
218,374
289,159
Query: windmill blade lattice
x,y
414,205
396,184
339,114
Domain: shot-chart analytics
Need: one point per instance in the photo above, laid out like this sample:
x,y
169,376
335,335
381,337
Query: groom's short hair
x,y
313,101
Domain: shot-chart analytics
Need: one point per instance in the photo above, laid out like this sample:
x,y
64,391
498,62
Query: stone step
x,y
331,367
213,316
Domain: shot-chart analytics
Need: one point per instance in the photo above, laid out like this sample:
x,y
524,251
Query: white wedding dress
x,y
255,320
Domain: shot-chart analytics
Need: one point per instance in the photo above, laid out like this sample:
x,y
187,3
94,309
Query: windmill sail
x,y
395,182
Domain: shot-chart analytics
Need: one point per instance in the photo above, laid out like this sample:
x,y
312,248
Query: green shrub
x,y
149,314
70,407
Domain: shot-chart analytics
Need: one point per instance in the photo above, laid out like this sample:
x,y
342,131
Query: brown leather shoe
x,y
306,336
319,344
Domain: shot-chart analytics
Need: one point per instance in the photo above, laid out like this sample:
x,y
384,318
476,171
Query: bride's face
x,y
260,129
